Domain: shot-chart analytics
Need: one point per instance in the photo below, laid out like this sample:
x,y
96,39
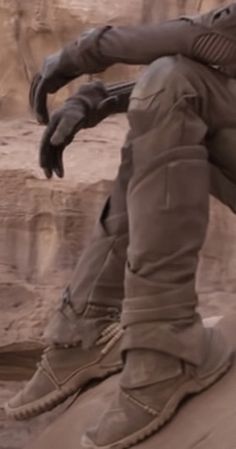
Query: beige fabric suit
x,y
181,146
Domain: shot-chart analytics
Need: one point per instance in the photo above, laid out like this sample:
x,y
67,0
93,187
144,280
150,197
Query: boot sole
x,y
53,399
168,412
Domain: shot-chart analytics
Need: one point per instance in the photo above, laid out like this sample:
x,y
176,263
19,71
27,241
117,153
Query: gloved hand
x,y
75,59
86,109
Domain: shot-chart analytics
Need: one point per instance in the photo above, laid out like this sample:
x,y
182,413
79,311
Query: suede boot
x,y
64,371
152,387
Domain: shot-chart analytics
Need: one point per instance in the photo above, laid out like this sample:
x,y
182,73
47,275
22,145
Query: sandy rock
x,y
32,29
157,11
45,224
40,240
13,434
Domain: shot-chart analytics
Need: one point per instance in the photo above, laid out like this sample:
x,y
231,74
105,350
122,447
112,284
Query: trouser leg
x,y
94,296
168,352
170,117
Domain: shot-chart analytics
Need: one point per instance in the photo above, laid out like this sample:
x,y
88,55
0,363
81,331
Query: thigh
x,y
168,79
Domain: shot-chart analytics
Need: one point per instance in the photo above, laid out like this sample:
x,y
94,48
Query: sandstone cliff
x,y
33,29
157,11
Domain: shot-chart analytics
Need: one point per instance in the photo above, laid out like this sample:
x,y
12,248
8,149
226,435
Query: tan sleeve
x,y
209,38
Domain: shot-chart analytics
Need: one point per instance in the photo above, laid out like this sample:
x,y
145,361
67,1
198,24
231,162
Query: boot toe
x,y
17,401
23,403
64,371
122,420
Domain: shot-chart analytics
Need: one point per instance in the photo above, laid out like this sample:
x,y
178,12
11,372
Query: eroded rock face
x,y
158,11
45,224
32,29
40,239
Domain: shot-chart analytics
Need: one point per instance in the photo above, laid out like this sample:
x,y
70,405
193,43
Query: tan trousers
x,y
143,258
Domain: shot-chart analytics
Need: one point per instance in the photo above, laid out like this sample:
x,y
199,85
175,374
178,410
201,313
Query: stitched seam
x,y
148,409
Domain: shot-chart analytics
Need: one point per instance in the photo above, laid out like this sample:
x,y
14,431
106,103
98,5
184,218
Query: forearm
x,y
143,44
208,38
100,48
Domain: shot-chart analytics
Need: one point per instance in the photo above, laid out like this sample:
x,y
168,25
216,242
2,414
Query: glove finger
x,y
39,94
47,172
59,168
66,130
40,102
55,153
47,152
61,133
56,160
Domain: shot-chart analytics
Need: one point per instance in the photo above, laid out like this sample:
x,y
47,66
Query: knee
x,y
172,76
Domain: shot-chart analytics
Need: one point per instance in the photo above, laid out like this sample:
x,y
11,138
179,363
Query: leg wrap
x,y
94,297
168,214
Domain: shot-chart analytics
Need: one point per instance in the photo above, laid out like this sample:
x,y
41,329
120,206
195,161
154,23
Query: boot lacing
x,y
110,335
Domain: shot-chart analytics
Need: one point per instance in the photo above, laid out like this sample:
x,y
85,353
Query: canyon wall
x,y
32,29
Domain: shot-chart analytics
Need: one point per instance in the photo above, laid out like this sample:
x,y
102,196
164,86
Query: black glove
x,y
75,59
86,109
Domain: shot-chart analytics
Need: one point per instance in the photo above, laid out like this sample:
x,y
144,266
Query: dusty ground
x,y
15,435
93,156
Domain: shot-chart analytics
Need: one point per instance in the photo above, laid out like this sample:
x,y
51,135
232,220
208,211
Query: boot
x,y
152,387
64,371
